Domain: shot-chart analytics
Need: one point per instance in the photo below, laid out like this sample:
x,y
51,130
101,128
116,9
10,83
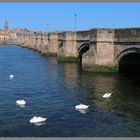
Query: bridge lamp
x,y
75,15
48,27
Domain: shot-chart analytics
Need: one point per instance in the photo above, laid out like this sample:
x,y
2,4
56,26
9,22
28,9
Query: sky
x,y
47,16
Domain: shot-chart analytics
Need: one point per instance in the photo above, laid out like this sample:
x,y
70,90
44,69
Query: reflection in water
x,y
128,89
39,124
124,104
83,110
120,86
70,75
20,105
97,86
118,110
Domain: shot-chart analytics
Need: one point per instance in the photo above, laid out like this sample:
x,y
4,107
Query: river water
x,y
52,90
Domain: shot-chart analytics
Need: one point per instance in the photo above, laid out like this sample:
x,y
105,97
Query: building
x,y
4,33
13,35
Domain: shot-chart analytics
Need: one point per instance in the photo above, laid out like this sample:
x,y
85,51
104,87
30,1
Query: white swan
x,y
37,119
20,102
106,95
81,106
11,76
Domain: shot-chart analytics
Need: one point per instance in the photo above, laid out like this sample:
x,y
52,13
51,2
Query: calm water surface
x,y
52,90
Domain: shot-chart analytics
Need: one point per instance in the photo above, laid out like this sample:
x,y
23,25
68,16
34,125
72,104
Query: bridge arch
x,y
82,49
128,60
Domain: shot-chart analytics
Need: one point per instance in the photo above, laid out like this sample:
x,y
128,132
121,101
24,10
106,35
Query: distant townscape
x,y
6,34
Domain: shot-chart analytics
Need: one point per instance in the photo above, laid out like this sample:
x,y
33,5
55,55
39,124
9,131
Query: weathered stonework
x,y
105,47
68,51
53,44
98,49
71,45
89,58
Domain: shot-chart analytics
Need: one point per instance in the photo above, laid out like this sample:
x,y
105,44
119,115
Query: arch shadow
x,y
128,61
82,49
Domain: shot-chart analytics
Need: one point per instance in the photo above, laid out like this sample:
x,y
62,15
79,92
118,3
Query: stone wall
x,y
104,44
125,39
105,47
128,34
37,41
70,45
53,44
101,52
67,46
82,36
89,58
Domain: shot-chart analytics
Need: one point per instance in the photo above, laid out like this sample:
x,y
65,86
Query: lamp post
x,y
75,15
48,27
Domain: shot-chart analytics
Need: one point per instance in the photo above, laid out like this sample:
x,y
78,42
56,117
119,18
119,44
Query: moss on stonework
x,y
67,59
43,54
52,54
98,68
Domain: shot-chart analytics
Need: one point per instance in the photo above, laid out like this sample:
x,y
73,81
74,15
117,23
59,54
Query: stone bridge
x,y
102,49
96,49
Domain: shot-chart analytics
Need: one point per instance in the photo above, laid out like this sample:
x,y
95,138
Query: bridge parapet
x,y
105,35
82,36
127,40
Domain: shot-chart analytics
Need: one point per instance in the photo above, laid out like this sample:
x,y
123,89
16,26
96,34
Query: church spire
x,y
6,26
